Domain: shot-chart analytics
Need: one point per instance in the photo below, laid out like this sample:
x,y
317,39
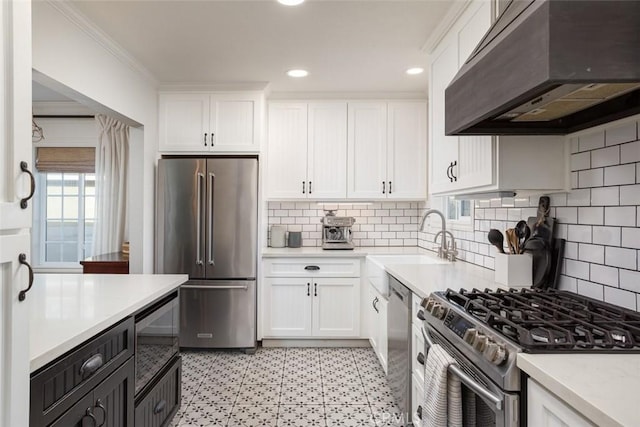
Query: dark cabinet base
x,y
160,403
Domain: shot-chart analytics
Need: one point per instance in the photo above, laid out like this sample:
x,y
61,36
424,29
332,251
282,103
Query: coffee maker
x,y
336,231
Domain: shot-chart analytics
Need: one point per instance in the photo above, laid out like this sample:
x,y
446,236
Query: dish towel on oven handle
x,y
443,394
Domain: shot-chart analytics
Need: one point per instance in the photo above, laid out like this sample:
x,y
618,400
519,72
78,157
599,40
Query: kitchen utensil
x,y
277,236
541,253
295,239
523,232
496,239
542,225
557,256
512,240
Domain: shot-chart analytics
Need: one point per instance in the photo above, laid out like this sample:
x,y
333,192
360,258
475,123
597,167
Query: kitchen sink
x,y
376,271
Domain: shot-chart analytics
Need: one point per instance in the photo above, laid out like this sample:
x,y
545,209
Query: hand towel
x,y
443,396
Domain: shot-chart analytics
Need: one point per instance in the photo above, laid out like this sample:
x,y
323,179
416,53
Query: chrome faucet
x,y
443,251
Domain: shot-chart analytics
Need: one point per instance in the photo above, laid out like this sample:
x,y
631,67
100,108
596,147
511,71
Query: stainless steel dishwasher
x,y
399,346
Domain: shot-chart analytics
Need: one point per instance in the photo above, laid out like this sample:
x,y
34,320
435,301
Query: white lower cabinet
x,y
377,311
417,399
311,306
544,409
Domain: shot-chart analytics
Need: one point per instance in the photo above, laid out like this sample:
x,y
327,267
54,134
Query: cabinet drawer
x,y
60,385
163,400
415,307
312,267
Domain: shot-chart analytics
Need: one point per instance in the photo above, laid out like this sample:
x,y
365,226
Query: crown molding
x,y
76,17
459,6
422,96
214,87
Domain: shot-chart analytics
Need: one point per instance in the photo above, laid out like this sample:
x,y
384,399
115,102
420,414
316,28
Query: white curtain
x,y
112,154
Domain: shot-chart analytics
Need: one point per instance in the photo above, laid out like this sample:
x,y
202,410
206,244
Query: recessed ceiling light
x,y
297,73
415,70
290,2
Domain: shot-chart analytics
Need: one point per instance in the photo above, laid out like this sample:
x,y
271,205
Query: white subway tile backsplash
x,y
591,253
605,196
631,238
620,297
589,289
580,161
591,178
620,215
630,195
587,215
620,175
606,236
591,141
630,280
579,197
605,157
630,153
621,133
577,269
571,250
621,257
579,233
605,275
568,284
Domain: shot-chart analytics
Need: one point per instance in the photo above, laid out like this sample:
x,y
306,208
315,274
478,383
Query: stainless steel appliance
x,y
399,346
484,330
336,231
156,339
207,228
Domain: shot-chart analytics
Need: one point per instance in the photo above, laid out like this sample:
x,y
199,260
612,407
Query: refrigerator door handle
x,y
215,288
200,180
212,181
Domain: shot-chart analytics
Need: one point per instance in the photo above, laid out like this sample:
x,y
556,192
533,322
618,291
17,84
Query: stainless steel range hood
x,y
549,67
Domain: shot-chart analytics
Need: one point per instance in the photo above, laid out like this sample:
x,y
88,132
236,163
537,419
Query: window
x,y
66,218
459,213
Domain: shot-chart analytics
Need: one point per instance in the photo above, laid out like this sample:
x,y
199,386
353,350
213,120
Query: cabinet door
x,y
287,311
383,345
327,148
79,415
113,398
367,150
546,410
287,153
373,318
336,307
407,150
184,122
443,149
234,121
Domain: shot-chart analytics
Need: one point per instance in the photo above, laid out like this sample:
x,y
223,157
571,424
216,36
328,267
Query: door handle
x,y
308,289
200,180
22,259
303,188
91,365
389,187
420,358
92,417
24,167
309,187
449,172
211,246
214,288
312,268
160,407
420,315
205,139
375,307
315,289
454,164
211,137
383,187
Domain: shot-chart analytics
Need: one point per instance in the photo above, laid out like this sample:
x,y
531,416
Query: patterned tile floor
x,y
285,387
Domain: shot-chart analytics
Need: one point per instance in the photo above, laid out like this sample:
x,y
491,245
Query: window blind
x,y
66,159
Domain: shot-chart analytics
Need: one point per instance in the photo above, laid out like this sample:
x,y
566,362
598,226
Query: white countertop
x,y
67,309
422,279
601,387
358,252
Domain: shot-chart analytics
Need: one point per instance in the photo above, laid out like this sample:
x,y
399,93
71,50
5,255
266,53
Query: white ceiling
x,y
346,45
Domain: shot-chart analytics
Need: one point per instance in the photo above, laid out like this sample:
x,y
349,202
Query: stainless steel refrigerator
x,y
207,221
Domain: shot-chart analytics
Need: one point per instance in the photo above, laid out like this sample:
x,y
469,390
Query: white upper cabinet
x,y
476,164
387,150
327,145
210,122
367,150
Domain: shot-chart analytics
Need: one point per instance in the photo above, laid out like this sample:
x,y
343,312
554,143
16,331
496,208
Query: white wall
x,y
69,57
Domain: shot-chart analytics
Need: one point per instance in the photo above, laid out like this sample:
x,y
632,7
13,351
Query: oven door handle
x,y
466,379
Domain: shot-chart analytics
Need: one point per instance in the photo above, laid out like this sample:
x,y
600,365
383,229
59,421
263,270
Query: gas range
x,y
488,328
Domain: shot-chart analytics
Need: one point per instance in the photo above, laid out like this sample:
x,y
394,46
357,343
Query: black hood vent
x,y
549,67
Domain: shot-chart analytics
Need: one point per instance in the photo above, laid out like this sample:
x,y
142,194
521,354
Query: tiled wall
x,y
600,218
377,224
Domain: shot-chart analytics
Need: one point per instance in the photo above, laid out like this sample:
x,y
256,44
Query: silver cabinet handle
x,y
211,247
91,365
465,379
200,179
215,288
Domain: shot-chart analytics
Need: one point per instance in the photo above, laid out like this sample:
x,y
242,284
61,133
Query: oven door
x,y
482,400
156,339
